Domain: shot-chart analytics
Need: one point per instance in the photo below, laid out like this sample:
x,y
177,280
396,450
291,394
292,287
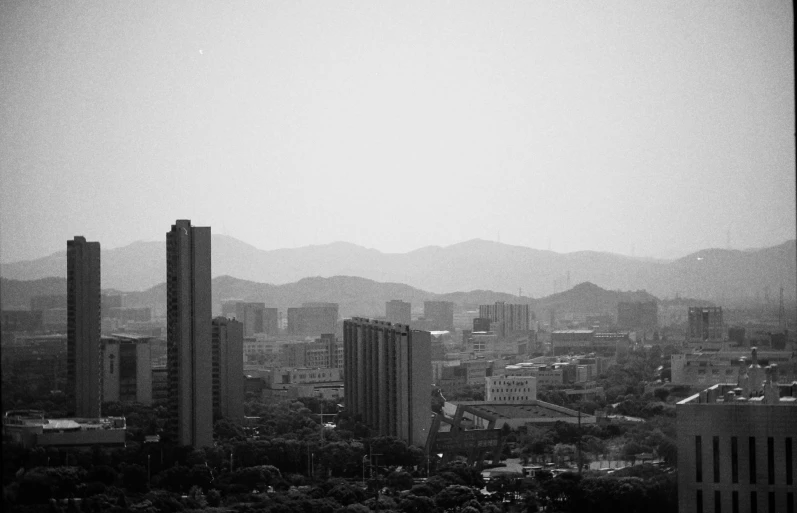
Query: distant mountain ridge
x,y
355,296
718,274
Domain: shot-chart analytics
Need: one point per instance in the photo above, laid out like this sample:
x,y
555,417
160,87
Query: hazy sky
x,y
653,126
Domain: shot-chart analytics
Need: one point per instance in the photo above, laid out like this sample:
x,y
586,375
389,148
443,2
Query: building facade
x,y
255,317
83,359
188,328
228,369
506,318
439,315
736,446
398,312
510,389
388,377
127,369
705,323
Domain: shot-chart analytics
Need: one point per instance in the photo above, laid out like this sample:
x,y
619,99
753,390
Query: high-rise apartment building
x,y
737,445
506,318
313,319
228,369
397,311
439,314
705,323
188,327
127,369
388,377
84,377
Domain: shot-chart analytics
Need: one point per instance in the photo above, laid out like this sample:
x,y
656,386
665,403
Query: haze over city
x,y
652,129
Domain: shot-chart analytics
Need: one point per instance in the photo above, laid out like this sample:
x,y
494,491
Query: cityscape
x,y
342,258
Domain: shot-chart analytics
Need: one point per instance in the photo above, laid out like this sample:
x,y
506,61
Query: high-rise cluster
x,y
204,356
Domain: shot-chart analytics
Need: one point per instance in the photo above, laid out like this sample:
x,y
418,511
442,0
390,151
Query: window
x,y
715,442
771,459
790,502
734,460
698,459
753,502
735,501
789,470
771,502
751,454
717,502
699,501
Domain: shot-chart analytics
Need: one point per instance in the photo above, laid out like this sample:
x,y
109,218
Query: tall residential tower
x,y
83,348
388,377
188,326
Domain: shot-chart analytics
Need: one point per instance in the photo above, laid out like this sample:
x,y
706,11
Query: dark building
x,y
481,324
313,319
440,315
397,311
638,315
36,362
705,323
228,369
110,301
188,326
736,334
506,318
388,378
84,377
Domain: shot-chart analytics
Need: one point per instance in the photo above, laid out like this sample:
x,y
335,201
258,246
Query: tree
x,y
134,478
454,496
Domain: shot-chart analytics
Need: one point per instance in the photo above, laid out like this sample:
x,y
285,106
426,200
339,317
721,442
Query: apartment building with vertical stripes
x,y
388,377
188,340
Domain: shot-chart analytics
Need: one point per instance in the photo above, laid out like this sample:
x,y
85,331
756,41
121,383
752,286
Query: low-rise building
x,y
31,428
514,415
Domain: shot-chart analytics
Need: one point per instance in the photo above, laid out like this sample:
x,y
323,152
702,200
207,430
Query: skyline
x,y
647,130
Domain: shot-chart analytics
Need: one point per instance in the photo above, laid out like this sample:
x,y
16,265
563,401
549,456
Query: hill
x,y
724,276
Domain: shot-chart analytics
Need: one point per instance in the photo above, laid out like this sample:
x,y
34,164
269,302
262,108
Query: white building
x,y
511,389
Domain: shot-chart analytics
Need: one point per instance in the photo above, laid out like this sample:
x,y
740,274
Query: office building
x,y
21,320
255,317
228,369
736,445
388,377
313,319
638,315
398,312
188,335
84,378
439,315
506,318
127,369
705,368
705,323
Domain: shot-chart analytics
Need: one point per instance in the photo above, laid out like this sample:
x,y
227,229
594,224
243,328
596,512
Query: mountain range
x,y
722,275
355,296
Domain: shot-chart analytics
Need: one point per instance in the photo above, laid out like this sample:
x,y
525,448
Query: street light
x,y
149,472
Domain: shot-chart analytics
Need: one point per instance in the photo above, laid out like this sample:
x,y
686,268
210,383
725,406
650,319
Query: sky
x,y
650,128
